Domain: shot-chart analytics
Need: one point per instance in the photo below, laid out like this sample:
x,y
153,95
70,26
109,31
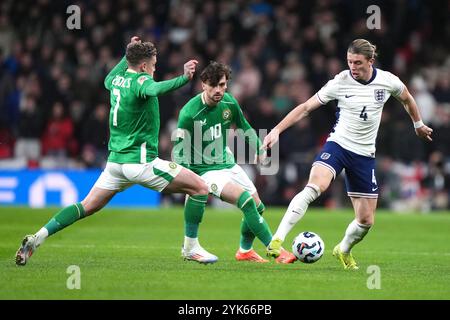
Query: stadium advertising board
x,y
41,188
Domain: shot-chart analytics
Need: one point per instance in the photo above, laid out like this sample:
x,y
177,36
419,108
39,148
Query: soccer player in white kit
x,y
361,93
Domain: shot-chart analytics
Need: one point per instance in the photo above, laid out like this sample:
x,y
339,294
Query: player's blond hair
x,y
364,47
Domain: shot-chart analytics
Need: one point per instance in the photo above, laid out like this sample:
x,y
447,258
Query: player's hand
x,y
271,139
424,132
135,39
262,158
189,68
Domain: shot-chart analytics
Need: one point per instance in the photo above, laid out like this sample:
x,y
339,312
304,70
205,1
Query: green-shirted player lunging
x,y
203,127
133,144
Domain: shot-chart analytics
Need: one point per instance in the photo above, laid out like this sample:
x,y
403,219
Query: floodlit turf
x,y
135,254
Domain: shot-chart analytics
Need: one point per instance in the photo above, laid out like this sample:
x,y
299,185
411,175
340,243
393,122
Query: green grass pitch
x,y
135,254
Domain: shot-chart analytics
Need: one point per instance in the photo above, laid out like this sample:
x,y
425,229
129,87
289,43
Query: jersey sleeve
x,y
182,141
396,85
147,87
120,67
329,91
249,133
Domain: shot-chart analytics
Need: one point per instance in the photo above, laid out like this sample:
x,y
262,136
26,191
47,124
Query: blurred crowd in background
x,y
54,109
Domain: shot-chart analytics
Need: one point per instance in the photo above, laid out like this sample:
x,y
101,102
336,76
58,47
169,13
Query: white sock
x,y
244,250
190,243
355,233
296,210
41,235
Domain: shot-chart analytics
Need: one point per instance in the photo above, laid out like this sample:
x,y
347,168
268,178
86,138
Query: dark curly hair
x,y
139,51
214,72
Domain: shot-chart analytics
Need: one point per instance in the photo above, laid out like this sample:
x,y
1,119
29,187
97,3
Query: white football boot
x,y
198,254
26,250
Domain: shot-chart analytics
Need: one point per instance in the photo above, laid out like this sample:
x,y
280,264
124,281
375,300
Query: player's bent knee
x,y
322,179
365,221
321,185
199,187
202,189
90,207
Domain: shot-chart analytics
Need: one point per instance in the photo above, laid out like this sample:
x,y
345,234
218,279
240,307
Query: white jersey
x,y
359,108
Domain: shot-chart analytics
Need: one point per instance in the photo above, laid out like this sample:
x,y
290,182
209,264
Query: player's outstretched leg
x,y
235,194
245,251
296,210
259,227
62,219
254,220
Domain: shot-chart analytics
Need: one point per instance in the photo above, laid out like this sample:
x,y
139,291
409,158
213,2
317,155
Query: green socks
x,y
65,218
247,236
254,221
193,214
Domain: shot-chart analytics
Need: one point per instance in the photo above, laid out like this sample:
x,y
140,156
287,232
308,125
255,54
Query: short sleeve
x,y
396,85
329,91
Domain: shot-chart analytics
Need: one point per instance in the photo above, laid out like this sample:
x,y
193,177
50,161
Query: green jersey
x,y
203,132
134,115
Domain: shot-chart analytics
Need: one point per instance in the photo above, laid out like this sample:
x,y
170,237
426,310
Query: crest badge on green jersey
x,y
226,114
141,79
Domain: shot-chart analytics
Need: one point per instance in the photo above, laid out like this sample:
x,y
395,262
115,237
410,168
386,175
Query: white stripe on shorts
x,y
144,152
363,195
327,166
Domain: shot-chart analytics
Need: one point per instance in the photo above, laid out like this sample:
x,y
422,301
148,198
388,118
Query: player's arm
x,y
151,88
299,112
120,67
410,106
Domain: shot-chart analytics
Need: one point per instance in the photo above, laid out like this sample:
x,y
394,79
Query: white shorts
x,y
155,175
217,179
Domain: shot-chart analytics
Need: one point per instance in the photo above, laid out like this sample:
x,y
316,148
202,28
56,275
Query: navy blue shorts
x,y
359,170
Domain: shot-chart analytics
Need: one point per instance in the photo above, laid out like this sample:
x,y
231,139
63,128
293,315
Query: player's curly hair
x,y
214,72
364,47
137,52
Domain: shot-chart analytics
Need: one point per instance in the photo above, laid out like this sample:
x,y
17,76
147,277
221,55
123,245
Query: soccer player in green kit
x,y
133,145
203,127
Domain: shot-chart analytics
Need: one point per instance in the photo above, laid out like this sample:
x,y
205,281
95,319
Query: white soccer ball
x,y
308,247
